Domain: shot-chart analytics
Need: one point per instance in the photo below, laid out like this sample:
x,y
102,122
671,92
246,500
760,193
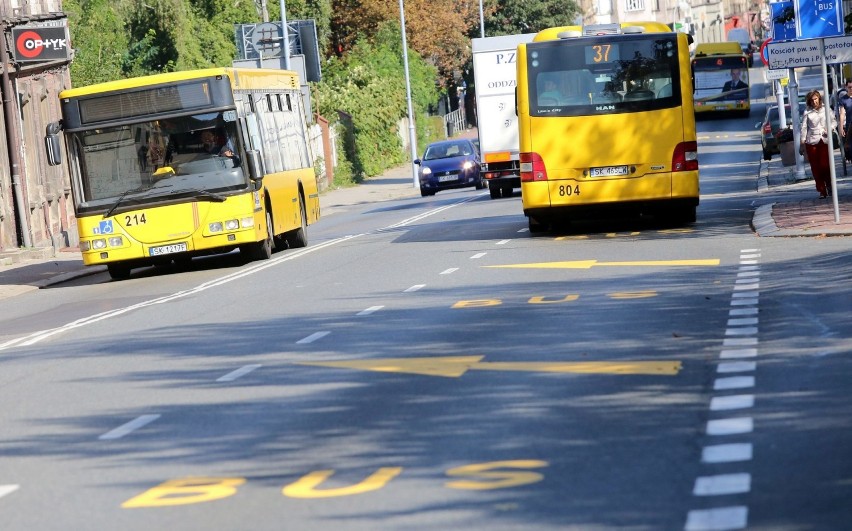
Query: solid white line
x,y
743,302
371,309
739,341
726,453
721,519
742,321
525,229
743,287
738,353
746,280
743,311
129,427
8,489
449,271
733,382
733,426
477,255
503,242
744,331
242,371
424,215
722,484
736,366
725,403
313,337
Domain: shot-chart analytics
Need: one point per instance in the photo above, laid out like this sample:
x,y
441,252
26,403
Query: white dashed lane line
x,y
125,429
313,337
740,342
7,489
449,271
416,287
239,373
368,311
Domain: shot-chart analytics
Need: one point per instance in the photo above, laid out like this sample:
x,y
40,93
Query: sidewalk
x,y
801,213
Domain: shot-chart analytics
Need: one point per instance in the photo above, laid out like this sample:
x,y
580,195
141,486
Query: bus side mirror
x,y
255,166
53,144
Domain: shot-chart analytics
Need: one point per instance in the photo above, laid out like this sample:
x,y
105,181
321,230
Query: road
x,y
427,364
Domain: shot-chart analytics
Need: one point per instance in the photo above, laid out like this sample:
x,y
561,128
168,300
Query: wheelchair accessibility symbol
x,y
104,227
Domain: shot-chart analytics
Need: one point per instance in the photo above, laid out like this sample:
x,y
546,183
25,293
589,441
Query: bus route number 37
x,y
569,190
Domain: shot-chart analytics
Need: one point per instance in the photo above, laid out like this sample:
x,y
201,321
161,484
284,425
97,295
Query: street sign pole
x,y
828,116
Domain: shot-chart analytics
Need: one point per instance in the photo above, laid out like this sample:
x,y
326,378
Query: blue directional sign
x,y
783,17
818,18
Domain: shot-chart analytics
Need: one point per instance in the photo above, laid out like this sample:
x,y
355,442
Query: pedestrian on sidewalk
x,y
844,99
814,135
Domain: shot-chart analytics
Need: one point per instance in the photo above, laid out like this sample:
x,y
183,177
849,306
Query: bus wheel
x,y
507,191
684,214
299,238
536,226
261,250
118,271
494,191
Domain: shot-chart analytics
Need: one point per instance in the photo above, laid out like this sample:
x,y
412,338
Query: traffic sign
x,y
764,54
818,18
795,54
783,20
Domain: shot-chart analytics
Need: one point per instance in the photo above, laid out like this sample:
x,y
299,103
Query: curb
x,y
71,275
762,223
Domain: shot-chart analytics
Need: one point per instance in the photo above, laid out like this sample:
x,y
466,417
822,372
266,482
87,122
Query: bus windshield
x,y
720,78
603,75
146,162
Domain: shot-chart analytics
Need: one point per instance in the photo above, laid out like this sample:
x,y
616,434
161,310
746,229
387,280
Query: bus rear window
x,y
603,75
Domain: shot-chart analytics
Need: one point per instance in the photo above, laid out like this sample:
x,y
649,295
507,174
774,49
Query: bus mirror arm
x,y
254,165
52,143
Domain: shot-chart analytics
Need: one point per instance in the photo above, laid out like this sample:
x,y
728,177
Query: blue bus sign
x,y
783,17
818,18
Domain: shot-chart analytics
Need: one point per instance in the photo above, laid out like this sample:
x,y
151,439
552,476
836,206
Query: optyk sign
x,y
37,43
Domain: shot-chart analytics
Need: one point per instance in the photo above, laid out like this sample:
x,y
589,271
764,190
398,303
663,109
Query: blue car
x,y
449,164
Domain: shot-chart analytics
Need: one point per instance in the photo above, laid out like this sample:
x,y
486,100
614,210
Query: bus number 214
x,y
568,190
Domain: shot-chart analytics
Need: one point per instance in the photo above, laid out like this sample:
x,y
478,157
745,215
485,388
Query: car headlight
x,y
427,170
467,165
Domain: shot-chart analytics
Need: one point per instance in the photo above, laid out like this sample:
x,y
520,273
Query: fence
x,y
454,122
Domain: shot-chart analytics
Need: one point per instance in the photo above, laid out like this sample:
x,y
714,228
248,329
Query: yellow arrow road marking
x,y
454,367
588,264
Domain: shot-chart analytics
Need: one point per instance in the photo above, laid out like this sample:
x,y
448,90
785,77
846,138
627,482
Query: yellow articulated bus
x,y
721,79
606,119
170,166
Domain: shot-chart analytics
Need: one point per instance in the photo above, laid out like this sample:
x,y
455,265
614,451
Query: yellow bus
x,y
721,77
605,119
176,165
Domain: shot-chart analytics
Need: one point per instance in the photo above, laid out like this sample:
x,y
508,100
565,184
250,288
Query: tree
x,y
510,17
99,40
437,29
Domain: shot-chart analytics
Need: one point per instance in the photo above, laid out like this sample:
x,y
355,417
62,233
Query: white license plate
x,y
445,178
607,171
167,249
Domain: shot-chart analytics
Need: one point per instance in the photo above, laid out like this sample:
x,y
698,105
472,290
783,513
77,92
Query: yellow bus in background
x,y
606,119
176,165
721,79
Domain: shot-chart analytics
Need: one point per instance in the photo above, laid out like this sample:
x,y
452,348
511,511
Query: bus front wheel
x,y
118,271
261,250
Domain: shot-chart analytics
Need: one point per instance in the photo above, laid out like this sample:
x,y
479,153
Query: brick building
x,y
36,209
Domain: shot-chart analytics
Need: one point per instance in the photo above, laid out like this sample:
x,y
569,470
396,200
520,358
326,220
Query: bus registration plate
x,y
167,249
607,171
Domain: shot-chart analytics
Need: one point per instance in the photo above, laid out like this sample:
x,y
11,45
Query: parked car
x,y
449,164
770,127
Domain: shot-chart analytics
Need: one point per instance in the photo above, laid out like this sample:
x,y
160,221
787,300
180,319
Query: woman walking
x,y
814,137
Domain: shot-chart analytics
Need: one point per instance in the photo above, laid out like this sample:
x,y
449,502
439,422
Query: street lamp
x,y
412,135
481,21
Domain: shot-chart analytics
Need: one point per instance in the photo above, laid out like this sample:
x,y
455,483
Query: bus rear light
x,y
685,157
532,167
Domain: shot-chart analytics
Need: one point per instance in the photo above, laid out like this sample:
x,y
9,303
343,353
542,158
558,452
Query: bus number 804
x,y
568,190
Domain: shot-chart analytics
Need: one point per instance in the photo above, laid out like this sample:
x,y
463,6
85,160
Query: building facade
x,y
36,208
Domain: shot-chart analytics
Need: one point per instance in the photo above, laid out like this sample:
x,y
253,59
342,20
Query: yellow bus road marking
x,y
456,366
588,264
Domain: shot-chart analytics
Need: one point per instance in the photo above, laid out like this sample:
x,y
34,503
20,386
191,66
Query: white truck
x,y
494,78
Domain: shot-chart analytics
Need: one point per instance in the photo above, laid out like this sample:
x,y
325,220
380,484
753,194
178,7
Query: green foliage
x,y
99,39
509,17
368,84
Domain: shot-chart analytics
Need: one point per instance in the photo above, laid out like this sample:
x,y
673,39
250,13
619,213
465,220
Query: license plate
x,y
607,171
445,178
167,249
